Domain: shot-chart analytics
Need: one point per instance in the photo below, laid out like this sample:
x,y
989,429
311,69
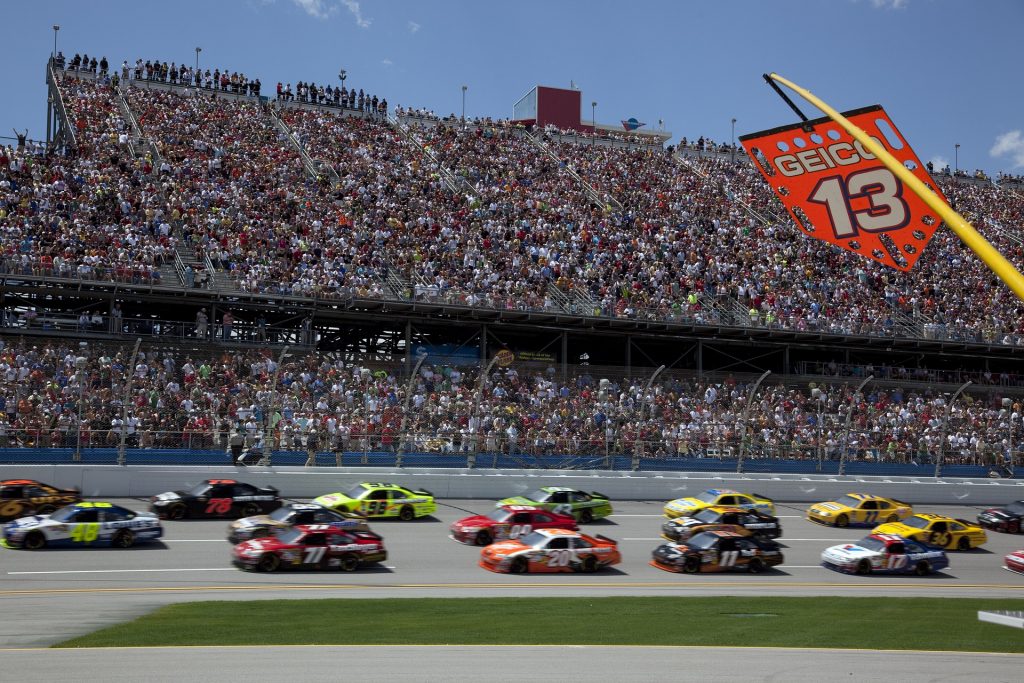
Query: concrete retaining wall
x,y
297,482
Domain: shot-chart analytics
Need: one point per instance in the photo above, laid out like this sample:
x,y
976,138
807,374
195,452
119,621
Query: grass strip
x,y
825,622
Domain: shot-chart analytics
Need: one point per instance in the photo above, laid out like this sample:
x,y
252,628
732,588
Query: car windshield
x,y
702,541
290,536
706,516
282,514
357,492
708,496
871,544
848,501
1016,508
534,539
64,514
499,515
539,496
917,522
198,489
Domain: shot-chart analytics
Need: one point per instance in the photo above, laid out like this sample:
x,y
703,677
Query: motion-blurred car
x,y
293,515
1009,519
1014,562
315,546
937,530
551,551
885,554
585,507
508,522
688,506
23,497
378,500
724,518
859,509
82,525
216,498
718,551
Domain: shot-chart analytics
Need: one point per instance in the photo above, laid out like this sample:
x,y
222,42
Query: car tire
x,y
842,521
756,565
483,538
1013,527
691,565
45,510
586,517
923,568
863,568
406,514
124,539
177,512
349,563
588,565
34,541
963,544
892,519
519,565
249,510
269,562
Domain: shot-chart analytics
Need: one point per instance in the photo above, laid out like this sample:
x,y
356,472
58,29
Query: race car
x,y
293,515
23,497
373,499
1009,519
85,524
944,532
313,546
859,509
718,551
550,551
585,507
1014,562
508,521
683,507
722,517
216,498
885,554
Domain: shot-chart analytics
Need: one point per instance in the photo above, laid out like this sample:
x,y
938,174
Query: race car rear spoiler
x,y
423,492
605,538
761,495
595,494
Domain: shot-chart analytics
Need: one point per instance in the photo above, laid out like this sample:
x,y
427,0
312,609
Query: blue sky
x,y
948,71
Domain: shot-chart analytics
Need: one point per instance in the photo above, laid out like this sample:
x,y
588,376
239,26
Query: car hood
x,y
258,520
30,522
504,548
517,500
898,529
849,550
474,521
684,503
170,495
259,544
1001,513
828,507
333,499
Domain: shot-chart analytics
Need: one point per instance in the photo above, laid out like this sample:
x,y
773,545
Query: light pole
x,y
56,27
198,50
743,419
464,89
593,119
945,429
80,363
734,140
846,428
343,75
956,158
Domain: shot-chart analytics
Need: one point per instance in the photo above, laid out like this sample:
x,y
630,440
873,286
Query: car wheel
x,y
842,521
176,512
586,517
691,565
519,566
483,538
406,514
923,568
1013,527
349,563
892,519
34,541
250,510
269,562
589,564
756,565
124,539
45,510
963,543
863,568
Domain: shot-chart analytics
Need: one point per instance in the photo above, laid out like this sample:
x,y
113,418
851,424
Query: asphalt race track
x,y
53,594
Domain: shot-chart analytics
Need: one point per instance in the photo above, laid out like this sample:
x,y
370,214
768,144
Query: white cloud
x,y
413,27
321,9
357,12
939,162
1011,144
386,62
890,4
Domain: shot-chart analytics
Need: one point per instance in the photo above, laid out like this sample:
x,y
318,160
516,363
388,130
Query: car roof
x,y
221,481
370,485
930,516
306,506
18,482
556,532
888,539
520,508
330,530
865,496
553,489
718,492
722,533
721,509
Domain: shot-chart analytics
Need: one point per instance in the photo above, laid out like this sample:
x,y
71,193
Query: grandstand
x,y
340,280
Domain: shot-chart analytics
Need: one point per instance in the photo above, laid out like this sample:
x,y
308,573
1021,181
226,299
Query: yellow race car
x,y
859,509
944,532
685,507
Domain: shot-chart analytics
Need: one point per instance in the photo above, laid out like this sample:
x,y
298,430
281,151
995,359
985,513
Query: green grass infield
x,y
824,622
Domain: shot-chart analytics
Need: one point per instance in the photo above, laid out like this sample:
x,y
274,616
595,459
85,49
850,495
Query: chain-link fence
x,y
189,403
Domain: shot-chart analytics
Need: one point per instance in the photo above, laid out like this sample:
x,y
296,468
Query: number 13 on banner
x,y
837,191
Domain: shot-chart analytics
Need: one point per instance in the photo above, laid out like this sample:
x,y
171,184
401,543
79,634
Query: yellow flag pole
x,y
964,230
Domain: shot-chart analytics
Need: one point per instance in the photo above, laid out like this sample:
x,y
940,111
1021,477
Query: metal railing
x,y
591,191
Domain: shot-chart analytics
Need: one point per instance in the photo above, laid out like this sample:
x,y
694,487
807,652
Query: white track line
x,y
126,571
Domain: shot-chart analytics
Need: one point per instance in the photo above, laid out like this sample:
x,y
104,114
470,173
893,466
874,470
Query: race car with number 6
x,y
378,500
508,521
551,551
83,525
585,507
315,546
216,498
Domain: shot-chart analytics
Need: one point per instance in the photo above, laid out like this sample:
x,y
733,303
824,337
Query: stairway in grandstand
x,y
595,196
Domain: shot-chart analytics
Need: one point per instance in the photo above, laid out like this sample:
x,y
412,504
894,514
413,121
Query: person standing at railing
x,y
236,442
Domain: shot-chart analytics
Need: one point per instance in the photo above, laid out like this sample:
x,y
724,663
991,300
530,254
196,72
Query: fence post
x,y
945,429
743,420
846,430
638,443
269,409
121,457
405,411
